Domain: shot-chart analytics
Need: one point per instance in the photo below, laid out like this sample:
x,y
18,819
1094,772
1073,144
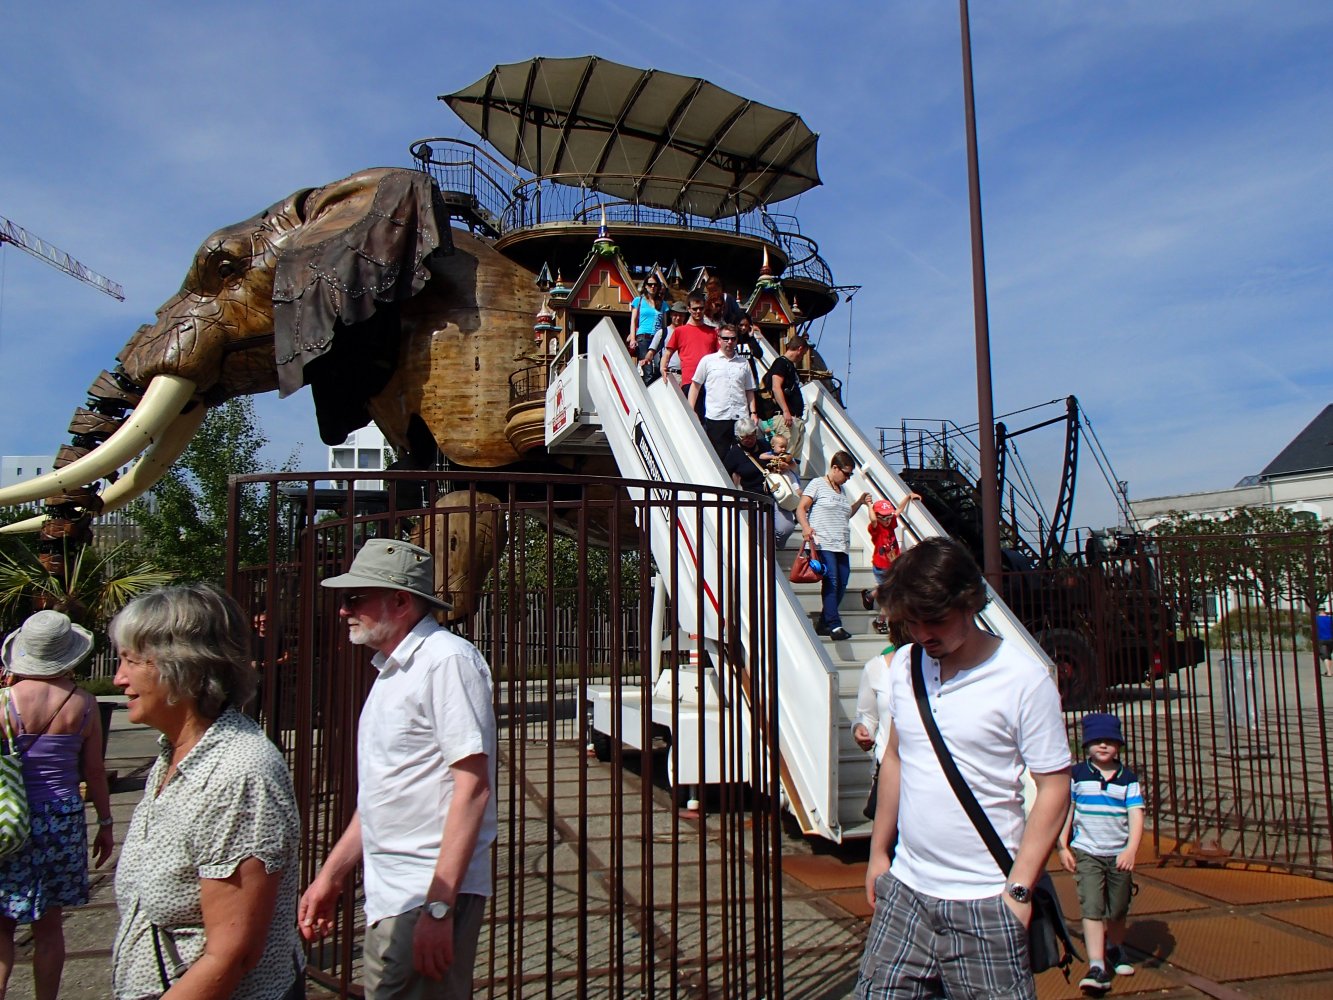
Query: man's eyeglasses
x,y
350,601
724,339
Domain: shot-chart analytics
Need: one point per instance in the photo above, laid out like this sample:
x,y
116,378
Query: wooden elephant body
x,y
359,289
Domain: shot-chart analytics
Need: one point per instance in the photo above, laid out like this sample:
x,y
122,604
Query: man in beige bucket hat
x,y
425,818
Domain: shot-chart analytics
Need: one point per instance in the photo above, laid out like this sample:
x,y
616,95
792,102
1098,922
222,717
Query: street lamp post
x,y
988,485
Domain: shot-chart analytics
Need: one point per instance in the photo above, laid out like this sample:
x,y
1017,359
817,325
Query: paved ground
x,y
1217,932
1223,932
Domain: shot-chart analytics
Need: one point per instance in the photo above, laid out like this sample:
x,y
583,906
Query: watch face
x,y
438,910
1019,892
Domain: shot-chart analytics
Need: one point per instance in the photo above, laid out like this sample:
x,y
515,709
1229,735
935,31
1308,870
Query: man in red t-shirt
x,y
693,340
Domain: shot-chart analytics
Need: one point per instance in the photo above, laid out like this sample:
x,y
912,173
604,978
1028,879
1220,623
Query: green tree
x,y
183,520
568,564
1275,554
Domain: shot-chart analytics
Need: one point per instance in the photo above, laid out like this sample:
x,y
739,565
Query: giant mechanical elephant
x,y
359,289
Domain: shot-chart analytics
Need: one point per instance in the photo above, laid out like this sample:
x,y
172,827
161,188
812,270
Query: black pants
x,y
721,434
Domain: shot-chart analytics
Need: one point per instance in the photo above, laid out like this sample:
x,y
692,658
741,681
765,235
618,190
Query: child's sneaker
x,y
1119,964
1096,983
868,599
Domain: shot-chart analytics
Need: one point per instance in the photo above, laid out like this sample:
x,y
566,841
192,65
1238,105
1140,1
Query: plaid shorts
x,y
920,946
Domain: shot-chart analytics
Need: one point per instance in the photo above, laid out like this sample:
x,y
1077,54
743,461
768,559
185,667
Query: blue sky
x,y
1156,184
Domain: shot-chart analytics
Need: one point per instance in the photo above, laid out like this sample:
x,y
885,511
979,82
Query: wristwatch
x,y
438,909
1019,893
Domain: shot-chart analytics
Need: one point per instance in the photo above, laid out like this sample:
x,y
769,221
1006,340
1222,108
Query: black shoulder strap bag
x,y
1049,943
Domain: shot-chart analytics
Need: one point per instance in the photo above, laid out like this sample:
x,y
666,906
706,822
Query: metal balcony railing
x,y
528,385
505,202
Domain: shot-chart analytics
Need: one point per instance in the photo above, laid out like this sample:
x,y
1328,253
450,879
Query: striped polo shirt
x,y
1101,809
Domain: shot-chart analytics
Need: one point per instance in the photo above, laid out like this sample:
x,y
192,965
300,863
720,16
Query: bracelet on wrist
x,y
105,821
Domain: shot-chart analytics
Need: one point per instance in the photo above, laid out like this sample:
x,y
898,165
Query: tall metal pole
x,y
988,486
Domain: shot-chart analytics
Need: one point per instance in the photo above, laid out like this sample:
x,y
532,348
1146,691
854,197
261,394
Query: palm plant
x,y
92,588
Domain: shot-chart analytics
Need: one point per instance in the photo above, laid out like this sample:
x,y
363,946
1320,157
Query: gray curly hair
x,y
198,639
745,426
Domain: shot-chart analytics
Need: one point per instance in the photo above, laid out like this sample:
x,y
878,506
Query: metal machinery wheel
x,y
1076,670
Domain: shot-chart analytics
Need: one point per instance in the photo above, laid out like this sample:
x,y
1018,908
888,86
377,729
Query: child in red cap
x,y
884,537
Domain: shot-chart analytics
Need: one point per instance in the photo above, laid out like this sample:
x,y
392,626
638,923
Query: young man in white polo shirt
x,y
425,817
947,922
727,382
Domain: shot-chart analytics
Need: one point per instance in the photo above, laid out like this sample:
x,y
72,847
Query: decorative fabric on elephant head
x,y
381,227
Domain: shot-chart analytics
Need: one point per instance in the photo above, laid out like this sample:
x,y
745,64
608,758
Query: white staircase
x,y
596,401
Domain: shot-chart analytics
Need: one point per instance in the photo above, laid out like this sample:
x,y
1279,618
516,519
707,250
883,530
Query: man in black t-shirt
x,y
784,384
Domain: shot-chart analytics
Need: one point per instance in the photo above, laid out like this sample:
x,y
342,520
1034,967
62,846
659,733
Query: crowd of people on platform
x,y
755,424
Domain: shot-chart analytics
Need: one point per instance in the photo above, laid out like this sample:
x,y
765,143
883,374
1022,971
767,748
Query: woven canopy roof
x,y
646,136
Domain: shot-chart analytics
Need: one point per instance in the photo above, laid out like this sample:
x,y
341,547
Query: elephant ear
x,y
363,246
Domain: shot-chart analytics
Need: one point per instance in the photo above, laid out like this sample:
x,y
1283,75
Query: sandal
x,y
881,626
868,599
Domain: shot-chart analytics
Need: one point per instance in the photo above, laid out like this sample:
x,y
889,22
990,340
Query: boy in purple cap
x,y
1106,822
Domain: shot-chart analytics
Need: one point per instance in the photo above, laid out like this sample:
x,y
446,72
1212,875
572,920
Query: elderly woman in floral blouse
x,y
207,880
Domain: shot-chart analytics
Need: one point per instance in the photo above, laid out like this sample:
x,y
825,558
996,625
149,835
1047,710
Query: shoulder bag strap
x,y
956,781
7,732
161,964
756,463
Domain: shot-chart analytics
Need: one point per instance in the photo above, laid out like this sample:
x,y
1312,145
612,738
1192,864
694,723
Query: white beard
x,y
367,635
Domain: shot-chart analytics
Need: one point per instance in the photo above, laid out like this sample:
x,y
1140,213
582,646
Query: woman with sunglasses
x,y
823,514
646,314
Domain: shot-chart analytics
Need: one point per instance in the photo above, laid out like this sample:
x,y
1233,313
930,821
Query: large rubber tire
x,y
1076,671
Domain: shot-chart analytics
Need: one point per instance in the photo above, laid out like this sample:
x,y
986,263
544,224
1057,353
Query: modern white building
x,y
365,450
16,468
1300,478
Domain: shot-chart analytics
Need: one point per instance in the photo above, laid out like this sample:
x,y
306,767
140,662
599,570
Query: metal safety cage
x,y
614,876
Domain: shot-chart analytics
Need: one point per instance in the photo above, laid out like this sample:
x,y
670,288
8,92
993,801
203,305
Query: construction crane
x,y
13,233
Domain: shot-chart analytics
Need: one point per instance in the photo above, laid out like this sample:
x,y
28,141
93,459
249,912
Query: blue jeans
x,y
834,585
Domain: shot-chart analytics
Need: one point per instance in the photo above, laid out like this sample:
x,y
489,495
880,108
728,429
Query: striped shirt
x,y
1101,809
831,510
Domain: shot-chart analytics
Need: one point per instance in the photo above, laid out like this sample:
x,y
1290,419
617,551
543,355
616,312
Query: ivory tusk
x,y
162,403
142,475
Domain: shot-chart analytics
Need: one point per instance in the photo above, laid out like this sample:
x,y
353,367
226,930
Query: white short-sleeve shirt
x,y
873,702
726,381
429,708
996,718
